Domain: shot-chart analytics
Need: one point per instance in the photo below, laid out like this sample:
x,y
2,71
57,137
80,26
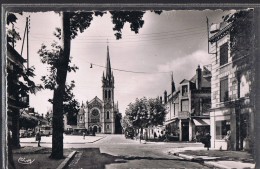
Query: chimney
x,y
160,99
199,78
165,97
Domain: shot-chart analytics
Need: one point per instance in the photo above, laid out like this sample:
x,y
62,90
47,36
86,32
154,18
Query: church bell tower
x,y
108,97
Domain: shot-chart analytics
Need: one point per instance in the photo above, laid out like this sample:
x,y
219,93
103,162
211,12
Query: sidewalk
x,y
67,139
38,157
216,158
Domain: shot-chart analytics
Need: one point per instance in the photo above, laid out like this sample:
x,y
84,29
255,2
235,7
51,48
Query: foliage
x,y
72,23
51,58
12,34
146,112
27,122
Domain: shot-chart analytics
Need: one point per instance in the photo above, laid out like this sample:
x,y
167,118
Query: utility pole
x,y
26,31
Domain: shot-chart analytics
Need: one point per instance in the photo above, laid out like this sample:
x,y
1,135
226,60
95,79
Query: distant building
x,y
232,78
14,102
188,106
99,115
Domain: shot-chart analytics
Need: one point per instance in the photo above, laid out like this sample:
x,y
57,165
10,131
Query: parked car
x,y
129,132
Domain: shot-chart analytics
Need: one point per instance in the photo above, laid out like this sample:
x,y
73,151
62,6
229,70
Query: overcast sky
x,y
173,41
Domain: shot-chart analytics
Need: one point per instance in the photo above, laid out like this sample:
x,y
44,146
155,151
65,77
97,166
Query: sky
x,y
174,41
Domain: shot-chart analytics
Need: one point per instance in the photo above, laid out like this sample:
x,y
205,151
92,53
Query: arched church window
x,y
105,93
107,114
109,94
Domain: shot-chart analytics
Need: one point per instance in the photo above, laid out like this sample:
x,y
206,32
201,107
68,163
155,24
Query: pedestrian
x,y
84,135
38,138
207,141
227,139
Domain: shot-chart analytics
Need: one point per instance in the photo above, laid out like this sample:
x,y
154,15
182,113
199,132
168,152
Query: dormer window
x,y
185,90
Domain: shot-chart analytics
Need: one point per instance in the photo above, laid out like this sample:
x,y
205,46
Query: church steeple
x,y
173,84
108,66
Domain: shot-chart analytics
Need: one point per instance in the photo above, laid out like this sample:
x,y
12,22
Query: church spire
x,y
173,84
108,66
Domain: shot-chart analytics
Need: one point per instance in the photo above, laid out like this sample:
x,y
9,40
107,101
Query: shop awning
x,y
201,122
168,122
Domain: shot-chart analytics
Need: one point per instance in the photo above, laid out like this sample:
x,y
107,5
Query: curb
x,y
67,160
190,158
213,164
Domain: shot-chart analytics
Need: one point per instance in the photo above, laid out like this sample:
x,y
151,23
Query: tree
x,y
72,22
144,113
12,35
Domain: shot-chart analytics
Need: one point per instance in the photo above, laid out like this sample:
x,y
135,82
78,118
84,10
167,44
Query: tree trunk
x,y
57,123
15,129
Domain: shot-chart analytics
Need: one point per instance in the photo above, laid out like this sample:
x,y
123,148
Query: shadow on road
x,y
93,158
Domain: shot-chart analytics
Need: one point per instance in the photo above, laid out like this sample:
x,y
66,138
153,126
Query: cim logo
x,y
23,160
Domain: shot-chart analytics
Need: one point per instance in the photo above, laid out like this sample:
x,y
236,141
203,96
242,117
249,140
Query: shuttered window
x,y
224,89
224,54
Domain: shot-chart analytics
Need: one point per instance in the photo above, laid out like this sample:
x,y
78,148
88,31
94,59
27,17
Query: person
x,y
227,139
38,138
84,134
207,141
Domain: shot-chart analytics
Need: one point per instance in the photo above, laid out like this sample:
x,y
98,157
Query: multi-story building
x,y
15,102
188,106
231,83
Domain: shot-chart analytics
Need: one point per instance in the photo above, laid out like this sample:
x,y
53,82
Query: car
x,y
129,132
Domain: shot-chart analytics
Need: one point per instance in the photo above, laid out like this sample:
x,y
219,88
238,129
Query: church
x,y
100,114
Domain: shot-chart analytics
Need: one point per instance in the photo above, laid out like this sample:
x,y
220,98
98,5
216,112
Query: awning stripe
x,y
201,122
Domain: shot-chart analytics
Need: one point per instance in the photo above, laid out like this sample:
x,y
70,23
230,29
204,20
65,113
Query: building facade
x,y
99,114
232,82
15,101
188,107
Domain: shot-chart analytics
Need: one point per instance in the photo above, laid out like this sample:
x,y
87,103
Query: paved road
x,y
114,151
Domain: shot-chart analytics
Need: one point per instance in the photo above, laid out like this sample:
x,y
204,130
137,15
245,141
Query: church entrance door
x,y
95,129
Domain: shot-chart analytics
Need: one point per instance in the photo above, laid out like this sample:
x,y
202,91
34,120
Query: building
x,y
99,115
14,100
232,80
188,106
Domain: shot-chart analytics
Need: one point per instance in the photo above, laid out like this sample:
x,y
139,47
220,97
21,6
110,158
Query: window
x,y
224,54
107,114
221,129
105,94
176,108
185,90
185,105
224,89
109,94
108,126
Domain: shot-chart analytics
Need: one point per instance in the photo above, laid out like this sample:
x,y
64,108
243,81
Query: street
x,y
114,151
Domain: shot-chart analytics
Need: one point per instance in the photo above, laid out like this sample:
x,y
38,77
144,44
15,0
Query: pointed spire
x,y
173,84
108,66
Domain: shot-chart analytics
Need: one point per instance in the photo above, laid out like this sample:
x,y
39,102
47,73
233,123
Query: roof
x,y
184,81
14,54
205,82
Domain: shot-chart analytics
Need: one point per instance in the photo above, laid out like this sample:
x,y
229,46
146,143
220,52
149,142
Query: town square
x,y
131,89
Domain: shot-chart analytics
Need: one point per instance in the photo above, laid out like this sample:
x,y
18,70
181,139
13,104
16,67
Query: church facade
x,y
99,114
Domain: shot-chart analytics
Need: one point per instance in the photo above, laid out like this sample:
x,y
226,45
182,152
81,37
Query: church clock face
x,y
95,112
